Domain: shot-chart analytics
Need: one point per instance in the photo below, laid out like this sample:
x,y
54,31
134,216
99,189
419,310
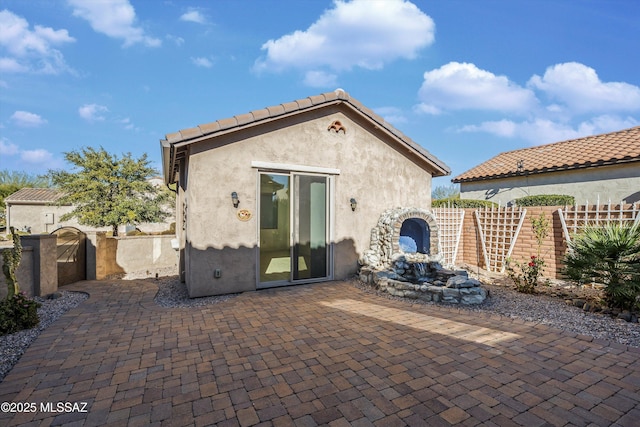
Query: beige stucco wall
x,y
24,273
616,183
33,215
373,172
21,215
130,256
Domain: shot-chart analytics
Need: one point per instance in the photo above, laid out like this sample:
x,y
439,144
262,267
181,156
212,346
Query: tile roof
x,y
34,195
174,141
588,152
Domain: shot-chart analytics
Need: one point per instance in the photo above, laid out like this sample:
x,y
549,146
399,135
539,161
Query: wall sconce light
x,y
235,200
354,204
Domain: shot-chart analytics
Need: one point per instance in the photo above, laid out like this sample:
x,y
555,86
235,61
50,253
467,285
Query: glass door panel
x,y
294,229
310,231
275,234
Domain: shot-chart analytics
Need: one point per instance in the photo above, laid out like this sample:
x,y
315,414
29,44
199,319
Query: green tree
x,y
610,255
12,181
446,192
108,191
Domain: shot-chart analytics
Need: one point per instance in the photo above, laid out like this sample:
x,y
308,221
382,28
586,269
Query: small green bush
x,y
610,255
461,203
546,200
18,313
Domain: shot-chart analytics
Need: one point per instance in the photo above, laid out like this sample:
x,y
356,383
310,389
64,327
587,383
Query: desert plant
x,y
11,259
17,313
609,255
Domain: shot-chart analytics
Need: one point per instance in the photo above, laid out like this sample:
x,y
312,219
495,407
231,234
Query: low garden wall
x,y
130,256
37,273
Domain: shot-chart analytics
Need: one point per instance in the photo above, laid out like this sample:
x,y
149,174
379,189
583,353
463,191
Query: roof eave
x,y
562,168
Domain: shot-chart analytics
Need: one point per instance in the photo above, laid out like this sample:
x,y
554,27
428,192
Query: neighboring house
x,y
288,194
34,210
601,167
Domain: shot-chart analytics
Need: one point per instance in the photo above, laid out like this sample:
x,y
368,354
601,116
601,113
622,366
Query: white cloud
x,y
7,148
92,112
31,50
38,156
580,89
11,65
320,79
27,119
463,86
202,62
359,33
37,160
504,128
126,122
114,18
194,15
543,131
392,115
179,41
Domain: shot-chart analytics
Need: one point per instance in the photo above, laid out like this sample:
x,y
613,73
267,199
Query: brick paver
x,y
324,354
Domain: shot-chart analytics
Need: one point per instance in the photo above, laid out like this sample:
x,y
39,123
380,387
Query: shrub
x,y
461,203
546,200
610,255
17,313
11,258
527,280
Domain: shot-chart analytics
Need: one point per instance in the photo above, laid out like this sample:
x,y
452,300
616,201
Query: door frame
x,y
291,170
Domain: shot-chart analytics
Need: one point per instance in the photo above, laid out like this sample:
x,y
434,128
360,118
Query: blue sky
x,y
465,79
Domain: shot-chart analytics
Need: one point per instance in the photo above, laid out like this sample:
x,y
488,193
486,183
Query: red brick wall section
x,y
552,250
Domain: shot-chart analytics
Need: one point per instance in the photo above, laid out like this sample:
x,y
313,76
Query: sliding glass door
x,y
294,228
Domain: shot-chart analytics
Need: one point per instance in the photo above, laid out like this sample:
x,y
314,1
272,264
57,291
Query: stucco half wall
x,y
363,161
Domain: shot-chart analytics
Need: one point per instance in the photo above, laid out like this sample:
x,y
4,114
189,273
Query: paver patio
x,y
324,354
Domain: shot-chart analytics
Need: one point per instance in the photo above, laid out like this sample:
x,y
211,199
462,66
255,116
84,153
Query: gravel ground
x,y
544,309
14,345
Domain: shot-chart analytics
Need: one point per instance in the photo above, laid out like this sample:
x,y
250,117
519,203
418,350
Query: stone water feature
x,y
404,259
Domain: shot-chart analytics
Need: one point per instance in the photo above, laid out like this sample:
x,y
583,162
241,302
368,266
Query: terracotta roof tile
x,y
304,103
591,151
174,137
243,119
290,106
260,114
38,195
227,123
191,133
276,110
209,128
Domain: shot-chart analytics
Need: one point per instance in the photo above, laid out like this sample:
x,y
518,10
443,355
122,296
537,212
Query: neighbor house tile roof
x,y
588,152
34,195
173,146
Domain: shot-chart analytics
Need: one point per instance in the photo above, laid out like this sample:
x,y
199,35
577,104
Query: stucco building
x,y
35,210
288,194
600,167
